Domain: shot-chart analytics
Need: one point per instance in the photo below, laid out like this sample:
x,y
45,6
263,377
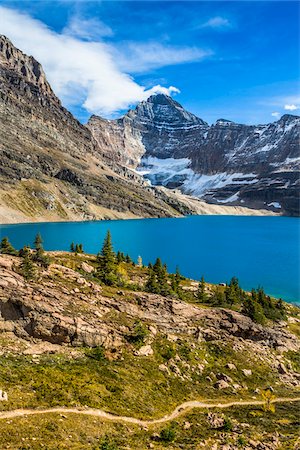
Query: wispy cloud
x,y
139,57
217,22
291,107
275,114
89,29
86,72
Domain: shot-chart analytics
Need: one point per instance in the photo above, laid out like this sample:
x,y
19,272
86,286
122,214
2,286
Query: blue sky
x,y
235,60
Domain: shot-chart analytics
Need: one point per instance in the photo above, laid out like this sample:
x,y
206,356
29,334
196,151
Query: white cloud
x,y
89,29
217,23
141,57
275,114
86,72
291,107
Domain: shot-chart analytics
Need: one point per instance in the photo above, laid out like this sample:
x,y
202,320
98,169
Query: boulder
x,y
247,372
145,350
230,366
221,384
87,267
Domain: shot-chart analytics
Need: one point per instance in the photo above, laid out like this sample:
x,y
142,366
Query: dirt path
x,y
184,407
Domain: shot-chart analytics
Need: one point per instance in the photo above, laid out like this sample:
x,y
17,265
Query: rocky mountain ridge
x,y
225,163
51,166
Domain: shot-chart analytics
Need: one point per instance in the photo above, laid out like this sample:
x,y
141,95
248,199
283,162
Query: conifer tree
x,y
72,247
6,248
39,255
175,281
201,294
80,248
128,259
162,280
151,284
253,310
27,266
107,262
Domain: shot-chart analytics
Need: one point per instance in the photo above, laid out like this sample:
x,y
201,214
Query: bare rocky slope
x,y
66,306
227,162
52,168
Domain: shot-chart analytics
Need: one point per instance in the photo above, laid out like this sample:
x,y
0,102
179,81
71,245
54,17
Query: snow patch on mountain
x,y
170,171
199,185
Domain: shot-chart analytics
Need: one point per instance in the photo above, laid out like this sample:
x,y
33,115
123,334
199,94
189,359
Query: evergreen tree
x,y
233,292
201,294
38,242
253,310
120,257
80,248
218,298
72,247
6,248
27,266
175,282
177,277
151,284
39,255
128,259
107,262
162,280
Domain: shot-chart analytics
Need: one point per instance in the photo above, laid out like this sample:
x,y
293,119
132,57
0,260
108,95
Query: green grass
x,y
131,385
70,431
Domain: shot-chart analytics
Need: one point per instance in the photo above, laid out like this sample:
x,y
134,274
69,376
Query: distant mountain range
x,y
225,163
54,168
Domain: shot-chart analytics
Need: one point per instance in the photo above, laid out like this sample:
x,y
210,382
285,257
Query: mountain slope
x,y
225,163
50,165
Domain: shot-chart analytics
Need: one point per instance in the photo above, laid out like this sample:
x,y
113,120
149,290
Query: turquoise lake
x,y
258,250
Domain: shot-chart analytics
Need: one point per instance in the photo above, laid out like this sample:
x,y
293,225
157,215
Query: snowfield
x,y
177,171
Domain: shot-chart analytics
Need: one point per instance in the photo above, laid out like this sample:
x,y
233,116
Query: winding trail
x,y
181,409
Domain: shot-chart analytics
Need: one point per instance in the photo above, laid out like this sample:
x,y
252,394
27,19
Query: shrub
x,y
168,434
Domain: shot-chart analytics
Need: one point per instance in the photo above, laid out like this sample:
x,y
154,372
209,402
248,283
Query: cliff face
x,y
225,163
51,167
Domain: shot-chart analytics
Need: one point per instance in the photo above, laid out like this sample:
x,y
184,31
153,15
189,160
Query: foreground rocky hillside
x,y
69,340
225,163
51,167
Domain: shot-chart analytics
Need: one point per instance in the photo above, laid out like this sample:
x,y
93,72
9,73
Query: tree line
x,y
111,272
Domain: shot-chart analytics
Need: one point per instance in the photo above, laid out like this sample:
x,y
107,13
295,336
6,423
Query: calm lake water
x,y
258,250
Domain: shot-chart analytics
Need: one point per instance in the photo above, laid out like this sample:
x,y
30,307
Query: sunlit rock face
x,y
224,163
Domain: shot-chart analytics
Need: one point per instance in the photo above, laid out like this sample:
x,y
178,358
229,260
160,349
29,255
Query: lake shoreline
x,y
259,250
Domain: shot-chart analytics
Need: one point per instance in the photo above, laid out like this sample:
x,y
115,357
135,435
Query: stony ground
x,y
68,341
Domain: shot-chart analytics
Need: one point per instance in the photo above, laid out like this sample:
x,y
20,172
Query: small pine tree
x,y
253,309
80,248
119,257
39,255
72,247
6,248
27,266
201,294
151,284
128,259
38,242
107,262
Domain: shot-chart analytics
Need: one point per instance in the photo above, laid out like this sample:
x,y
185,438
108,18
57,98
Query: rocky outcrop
x,y
225,163
63,307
